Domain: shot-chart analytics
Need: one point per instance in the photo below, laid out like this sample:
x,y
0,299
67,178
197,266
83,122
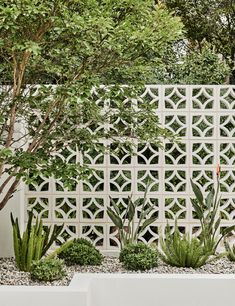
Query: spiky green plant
x,y
125,221
207,211
182,251
230,251
35,241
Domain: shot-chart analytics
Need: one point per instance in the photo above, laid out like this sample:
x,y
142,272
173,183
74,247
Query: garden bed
x,y
10,275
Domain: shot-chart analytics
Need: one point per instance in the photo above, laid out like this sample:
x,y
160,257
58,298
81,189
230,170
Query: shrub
x,y
230,251
138,256
34,243
47,270
207,211
81,252
181,251
124,220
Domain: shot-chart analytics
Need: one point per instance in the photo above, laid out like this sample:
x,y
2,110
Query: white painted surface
x,y
127,290
159,290
42,296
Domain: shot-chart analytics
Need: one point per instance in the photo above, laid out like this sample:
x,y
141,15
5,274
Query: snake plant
x,y
128,230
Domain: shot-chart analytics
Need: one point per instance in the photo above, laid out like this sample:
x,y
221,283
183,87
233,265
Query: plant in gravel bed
x,y
124,220
48,270
81,252
182,251
34,243
207,211
230,251
138,256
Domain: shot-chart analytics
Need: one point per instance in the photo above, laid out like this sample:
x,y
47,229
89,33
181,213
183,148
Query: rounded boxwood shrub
x,y
81,252
47,269
138,256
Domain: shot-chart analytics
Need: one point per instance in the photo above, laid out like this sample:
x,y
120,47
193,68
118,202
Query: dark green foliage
x,y
47,270
207,211
81,252
138,256
34,243
182,251
230,251
217,29
124,221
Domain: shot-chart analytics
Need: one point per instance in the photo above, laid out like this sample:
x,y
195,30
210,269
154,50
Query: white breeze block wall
x,y
204,118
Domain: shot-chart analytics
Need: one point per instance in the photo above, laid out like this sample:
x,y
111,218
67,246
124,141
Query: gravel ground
x,y
10,275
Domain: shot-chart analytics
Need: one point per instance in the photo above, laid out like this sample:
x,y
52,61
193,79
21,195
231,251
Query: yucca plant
x,y
230,251
34,243
125,221
182,251
207,211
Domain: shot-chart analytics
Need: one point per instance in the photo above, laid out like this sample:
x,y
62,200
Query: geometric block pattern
x,y
204,118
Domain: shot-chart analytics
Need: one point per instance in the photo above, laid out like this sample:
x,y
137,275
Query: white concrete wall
x,y
42,296
158,289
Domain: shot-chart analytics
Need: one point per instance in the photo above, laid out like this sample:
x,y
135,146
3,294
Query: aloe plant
x,y
182,251
207,211
128,232
34,243
230,250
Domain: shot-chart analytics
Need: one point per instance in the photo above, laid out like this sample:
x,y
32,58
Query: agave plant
x,y
230,250
207,211
182,251
125,221
34,243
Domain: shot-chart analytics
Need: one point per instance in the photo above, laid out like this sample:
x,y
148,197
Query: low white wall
x,y
160,290
127,290
42,296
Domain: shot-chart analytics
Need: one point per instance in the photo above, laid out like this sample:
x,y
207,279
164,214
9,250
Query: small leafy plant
x,y
230,250
48,270
182,251
124,221
138,256
207,211
81,252
34,243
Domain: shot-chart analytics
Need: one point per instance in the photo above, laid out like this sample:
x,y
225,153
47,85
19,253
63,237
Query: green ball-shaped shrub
x,y
138,256
47,269
81,252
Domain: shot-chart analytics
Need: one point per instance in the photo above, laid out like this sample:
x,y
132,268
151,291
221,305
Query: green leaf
x,y
147,222
197,193
115,219
210,198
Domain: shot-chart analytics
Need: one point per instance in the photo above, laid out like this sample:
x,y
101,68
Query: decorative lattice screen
x,y
204,117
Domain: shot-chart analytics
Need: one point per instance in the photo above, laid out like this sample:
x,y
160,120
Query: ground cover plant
x,y
47,270
81,252
138,256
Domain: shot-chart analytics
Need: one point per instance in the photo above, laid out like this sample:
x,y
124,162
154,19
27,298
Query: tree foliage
x,y
212,21
193,67
70,47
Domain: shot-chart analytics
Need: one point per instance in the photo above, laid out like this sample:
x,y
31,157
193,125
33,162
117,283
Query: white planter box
x,y
127,290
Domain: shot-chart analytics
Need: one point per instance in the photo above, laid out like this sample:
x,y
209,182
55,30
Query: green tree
x,y
212,21
70,47
193,67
